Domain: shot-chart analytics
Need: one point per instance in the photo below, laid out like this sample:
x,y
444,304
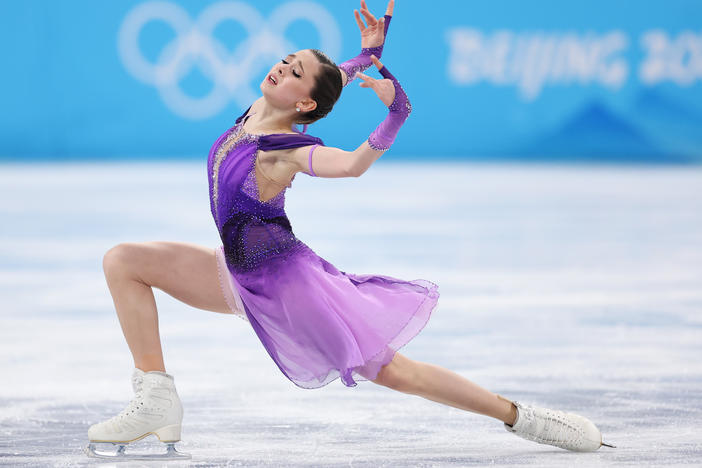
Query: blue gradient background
x,y
66,95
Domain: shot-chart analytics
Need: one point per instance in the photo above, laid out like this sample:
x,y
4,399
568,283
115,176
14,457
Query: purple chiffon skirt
x,y
318,323
228,285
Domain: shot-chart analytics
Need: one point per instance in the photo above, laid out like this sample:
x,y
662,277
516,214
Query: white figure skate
x,y
564,430
155,409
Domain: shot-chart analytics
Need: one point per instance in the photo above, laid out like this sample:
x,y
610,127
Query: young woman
x,y
316,322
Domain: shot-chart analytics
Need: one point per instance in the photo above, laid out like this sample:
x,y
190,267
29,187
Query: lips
x,y
272,80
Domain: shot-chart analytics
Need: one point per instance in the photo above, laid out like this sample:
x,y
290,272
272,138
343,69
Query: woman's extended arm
x,y
323,161
328,161
372,41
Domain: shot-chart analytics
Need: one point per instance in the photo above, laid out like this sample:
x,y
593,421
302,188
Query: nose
x,y
283,66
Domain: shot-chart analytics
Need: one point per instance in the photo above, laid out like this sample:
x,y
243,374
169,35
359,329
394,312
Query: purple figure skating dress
x,y
316,322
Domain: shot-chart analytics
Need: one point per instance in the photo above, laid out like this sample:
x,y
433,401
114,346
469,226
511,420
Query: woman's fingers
x,y
364,6
391,5
359,21
365,77
384,88
370,19
376,62
367,80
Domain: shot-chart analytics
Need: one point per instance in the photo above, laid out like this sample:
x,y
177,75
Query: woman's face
x,y
291,80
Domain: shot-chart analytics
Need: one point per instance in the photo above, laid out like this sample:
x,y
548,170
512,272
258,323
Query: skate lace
x,y
556,429
134,404
137,383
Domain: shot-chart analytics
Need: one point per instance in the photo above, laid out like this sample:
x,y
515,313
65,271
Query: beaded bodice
x,y
252,230
235,137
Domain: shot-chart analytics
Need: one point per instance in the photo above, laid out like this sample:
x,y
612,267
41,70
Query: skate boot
x,y
564,430
155,409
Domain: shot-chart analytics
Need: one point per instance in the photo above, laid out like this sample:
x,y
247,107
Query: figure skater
x,y
316,322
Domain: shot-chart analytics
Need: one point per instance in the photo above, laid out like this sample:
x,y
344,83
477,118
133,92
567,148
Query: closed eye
x,y
298,76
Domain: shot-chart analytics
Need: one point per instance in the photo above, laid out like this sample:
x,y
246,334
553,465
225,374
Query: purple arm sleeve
x,y
362,61
400,108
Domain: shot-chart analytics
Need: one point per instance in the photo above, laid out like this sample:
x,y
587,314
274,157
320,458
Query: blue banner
x,y
508,79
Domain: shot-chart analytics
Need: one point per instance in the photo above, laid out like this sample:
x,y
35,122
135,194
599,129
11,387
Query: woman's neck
x,y
270,120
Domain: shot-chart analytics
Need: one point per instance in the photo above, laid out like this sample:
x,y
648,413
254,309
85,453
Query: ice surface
x,y
575,288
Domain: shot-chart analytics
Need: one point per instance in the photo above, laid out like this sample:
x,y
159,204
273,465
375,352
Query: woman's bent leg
x,y
188,272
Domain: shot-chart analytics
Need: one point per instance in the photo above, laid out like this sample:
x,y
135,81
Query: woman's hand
x,y
372,35
384,88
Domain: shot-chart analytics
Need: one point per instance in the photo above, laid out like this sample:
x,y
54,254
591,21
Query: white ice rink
x,y
572,287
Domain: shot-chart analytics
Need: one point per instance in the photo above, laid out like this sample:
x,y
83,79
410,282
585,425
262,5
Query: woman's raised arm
x,y
372,41
324,161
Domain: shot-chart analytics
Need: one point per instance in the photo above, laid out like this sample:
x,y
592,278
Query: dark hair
x,y
326,90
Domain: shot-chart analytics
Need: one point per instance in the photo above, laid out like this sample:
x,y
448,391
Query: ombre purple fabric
x,y
400,108
316,322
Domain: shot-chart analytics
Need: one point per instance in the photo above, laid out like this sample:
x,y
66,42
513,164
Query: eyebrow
x,y
300,61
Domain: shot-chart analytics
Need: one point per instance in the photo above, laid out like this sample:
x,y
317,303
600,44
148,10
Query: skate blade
x,y
608,445
171,453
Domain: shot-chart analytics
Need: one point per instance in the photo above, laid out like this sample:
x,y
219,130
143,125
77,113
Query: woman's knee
x,y
117,259
399,374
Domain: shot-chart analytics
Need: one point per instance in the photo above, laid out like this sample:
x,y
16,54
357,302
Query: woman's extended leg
x,y
443,386
546,426
188,272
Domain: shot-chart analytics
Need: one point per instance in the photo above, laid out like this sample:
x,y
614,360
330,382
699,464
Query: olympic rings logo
x,y
194,46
